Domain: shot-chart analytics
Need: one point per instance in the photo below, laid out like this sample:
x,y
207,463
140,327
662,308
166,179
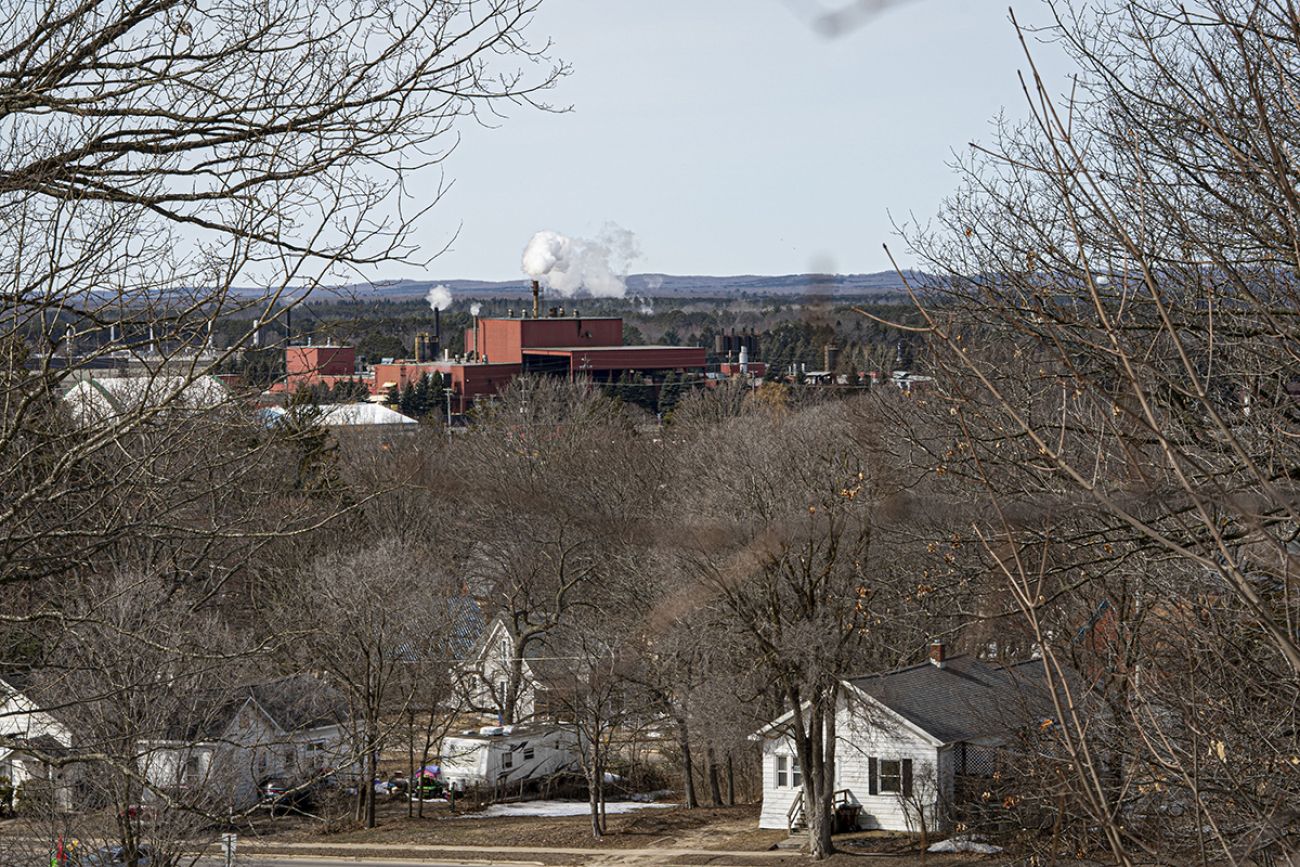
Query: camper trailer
x,y
497,755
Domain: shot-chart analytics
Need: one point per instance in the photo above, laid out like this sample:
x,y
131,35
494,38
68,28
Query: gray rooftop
x,y
963,699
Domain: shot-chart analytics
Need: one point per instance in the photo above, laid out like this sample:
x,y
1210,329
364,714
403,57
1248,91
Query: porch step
x,y
797,840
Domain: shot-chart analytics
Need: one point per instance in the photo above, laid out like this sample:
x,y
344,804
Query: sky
x,y
732,136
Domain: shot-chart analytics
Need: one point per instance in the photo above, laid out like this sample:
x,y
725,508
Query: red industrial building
x,y
498,349
307,366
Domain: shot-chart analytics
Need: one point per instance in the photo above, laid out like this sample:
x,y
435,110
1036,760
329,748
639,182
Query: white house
x,y
483,676
27,734
903,736
227,745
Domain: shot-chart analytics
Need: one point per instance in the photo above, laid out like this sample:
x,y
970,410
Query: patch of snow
x,y
558,808
964,844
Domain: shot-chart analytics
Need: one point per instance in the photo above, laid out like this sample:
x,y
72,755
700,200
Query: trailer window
x,y
528,754
507,760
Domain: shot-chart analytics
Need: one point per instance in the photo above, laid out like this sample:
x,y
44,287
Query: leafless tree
x,y
1113,326
783,542
374,622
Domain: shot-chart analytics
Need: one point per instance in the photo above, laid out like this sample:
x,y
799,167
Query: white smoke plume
x,y
647,307
569,265
474,309
439,297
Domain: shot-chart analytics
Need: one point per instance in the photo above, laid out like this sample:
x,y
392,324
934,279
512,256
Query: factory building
x,y
497,349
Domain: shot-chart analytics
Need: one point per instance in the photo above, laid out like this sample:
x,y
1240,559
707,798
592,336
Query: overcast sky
x,y
731,136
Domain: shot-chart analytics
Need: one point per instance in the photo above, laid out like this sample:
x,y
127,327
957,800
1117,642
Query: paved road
x,y
301,861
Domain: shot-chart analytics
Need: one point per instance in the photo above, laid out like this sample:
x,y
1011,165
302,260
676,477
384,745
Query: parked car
x,y
280,796
111,855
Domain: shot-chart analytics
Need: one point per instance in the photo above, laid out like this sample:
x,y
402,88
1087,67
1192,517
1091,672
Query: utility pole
x,y
448,392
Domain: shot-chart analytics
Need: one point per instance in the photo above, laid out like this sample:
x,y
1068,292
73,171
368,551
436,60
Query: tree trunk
x,y
731,780
593,797
410,765
688,773
715,788
509,709
817,758
373,761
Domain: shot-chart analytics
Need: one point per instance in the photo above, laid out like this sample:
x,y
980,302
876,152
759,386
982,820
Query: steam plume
x,y
439,297
474,309
569,265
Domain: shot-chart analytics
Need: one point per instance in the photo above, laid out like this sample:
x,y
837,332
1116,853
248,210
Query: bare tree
x,y
1113,326
784,546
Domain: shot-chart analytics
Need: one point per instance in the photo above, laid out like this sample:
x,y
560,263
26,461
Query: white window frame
x,y
507,760
895,787
788,773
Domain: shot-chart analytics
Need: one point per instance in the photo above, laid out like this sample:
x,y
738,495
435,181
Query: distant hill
x,y
662,285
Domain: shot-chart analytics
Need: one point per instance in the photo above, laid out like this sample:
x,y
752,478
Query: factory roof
x,y
657,347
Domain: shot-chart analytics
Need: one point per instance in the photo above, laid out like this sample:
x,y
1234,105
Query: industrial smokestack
x,y
537,298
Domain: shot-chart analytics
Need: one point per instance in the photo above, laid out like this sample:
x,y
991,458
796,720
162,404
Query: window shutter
x,y
907,778
873,776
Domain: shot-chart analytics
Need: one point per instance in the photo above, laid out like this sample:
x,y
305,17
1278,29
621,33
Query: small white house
x,y
506,755
228,745
28,733
902,737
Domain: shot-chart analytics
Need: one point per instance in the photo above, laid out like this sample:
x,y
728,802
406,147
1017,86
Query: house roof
x,y
295,703
466,625
962,699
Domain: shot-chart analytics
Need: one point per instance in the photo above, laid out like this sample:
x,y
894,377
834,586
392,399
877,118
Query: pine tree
x,y
406,403
670,392
420,402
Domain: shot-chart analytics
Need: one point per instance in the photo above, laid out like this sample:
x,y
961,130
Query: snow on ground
x,y
558,808
964,844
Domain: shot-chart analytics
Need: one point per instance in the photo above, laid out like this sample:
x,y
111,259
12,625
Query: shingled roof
x,y
964,698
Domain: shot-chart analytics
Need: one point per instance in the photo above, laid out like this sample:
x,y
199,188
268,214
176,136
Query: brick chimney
x,y
937,653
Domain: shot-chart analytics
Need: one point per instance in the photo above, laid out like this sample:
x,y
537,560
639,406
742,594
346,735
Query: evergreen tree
x,y
670,392
420,401
406,403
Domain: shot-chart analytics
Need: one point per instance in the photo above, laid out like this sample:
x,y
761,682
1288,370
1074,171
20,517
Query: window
x,y
501,693
891,776
505,648
528,754
508,760
190,773
788,773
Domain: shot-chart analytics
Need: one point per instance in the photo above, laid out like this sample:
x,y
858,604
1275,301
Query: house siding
x,y
776,801
881,735
864,733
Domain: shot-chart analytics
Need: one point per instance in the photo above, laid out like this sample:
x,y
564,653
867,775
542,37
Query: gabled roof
x,y
292,704
962,699
466,625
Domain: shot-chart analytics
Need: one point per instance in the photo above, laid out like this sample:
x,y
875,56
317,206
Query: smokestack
x,y
478,356
537,298
832,359
938,653
744,359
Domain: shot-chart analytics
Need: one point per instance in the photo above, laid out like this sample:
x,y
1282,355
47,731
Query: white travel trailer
x,y
499,755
